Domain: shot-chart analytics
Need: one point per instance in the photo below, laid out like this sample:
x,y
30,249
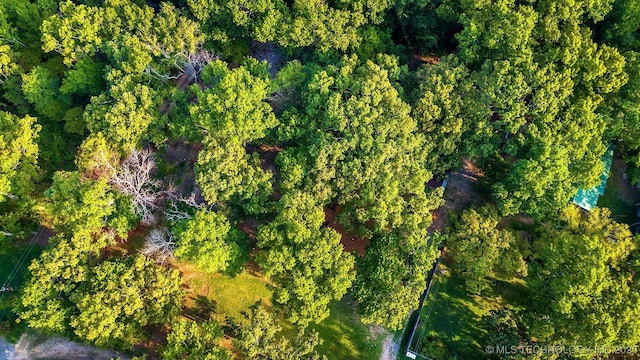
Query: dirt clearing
x,y
33,348
458,194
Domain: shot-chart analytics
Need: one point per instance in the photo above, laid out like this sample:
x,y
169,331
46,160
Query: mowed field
x,y
345,336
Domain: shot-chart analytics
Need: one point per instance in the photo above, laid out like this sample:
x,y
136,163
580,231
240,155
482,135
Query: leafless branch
x,y
174,213
134,178
159,245
196,61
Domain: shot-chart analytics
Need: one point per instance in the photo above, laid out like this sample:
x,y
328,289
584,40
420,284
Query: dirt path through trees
x,y
458,195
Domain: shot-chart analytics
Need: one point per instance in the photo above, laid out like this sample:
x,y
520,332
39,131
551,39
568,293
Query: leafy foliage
x,y
122,297
231,114
479,248
305,259
75,204
55,275
107,304
18,154
532,93
392,276
260,340
208,241
363,151
189,340
124,112
580,273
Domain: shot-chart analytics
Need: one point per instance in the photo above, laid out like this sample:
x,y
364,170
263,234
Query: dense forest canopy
x,y
222,133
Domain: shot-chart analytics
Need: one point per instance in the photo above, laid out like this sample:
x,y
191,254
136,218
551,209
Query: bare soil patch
x,y
32,348
458,194
268,154
349,241
622,183
43,236
249,226
270,53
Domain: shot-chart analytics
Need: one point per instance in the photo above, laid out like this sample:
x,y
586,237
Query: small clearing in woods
x,y
221,296
345,336
619,195
177,154
458,195
270,53
349,241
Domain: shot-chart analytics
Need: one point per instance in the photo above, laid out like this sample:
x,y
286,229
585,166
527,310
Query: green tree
x,y
444,109
621,24
124,113
528,115
582,291
121,297
86,78
130,34
208,241
235,20
313,23
499,30
76,204
622,111
96,159
479,249
189,340
260,340
226,173
233,107
75,31
392,275
504,328
231,114
362,147
41,88
45,297
18,155
304,258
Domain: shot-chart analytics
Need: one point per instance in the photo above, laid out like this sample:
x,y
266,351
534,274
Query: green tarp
x,y
588,198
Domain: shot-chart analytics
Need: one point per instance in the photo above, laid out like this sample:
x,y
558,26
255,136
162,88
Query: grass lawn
x,y
230,296
619,196
345,336
11,256
454,317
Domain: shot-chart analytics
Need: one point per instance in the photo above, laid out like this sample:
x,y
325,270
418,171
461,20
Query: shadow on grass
x,y
451,323
619,195
454,317
240,259
345,336
202,309
512,293
15,261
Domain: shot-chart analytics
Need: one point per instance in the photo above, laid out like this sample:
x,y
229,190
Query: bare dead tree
x,y
164,77
159,245
196,61
173,212
134,178
189,65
